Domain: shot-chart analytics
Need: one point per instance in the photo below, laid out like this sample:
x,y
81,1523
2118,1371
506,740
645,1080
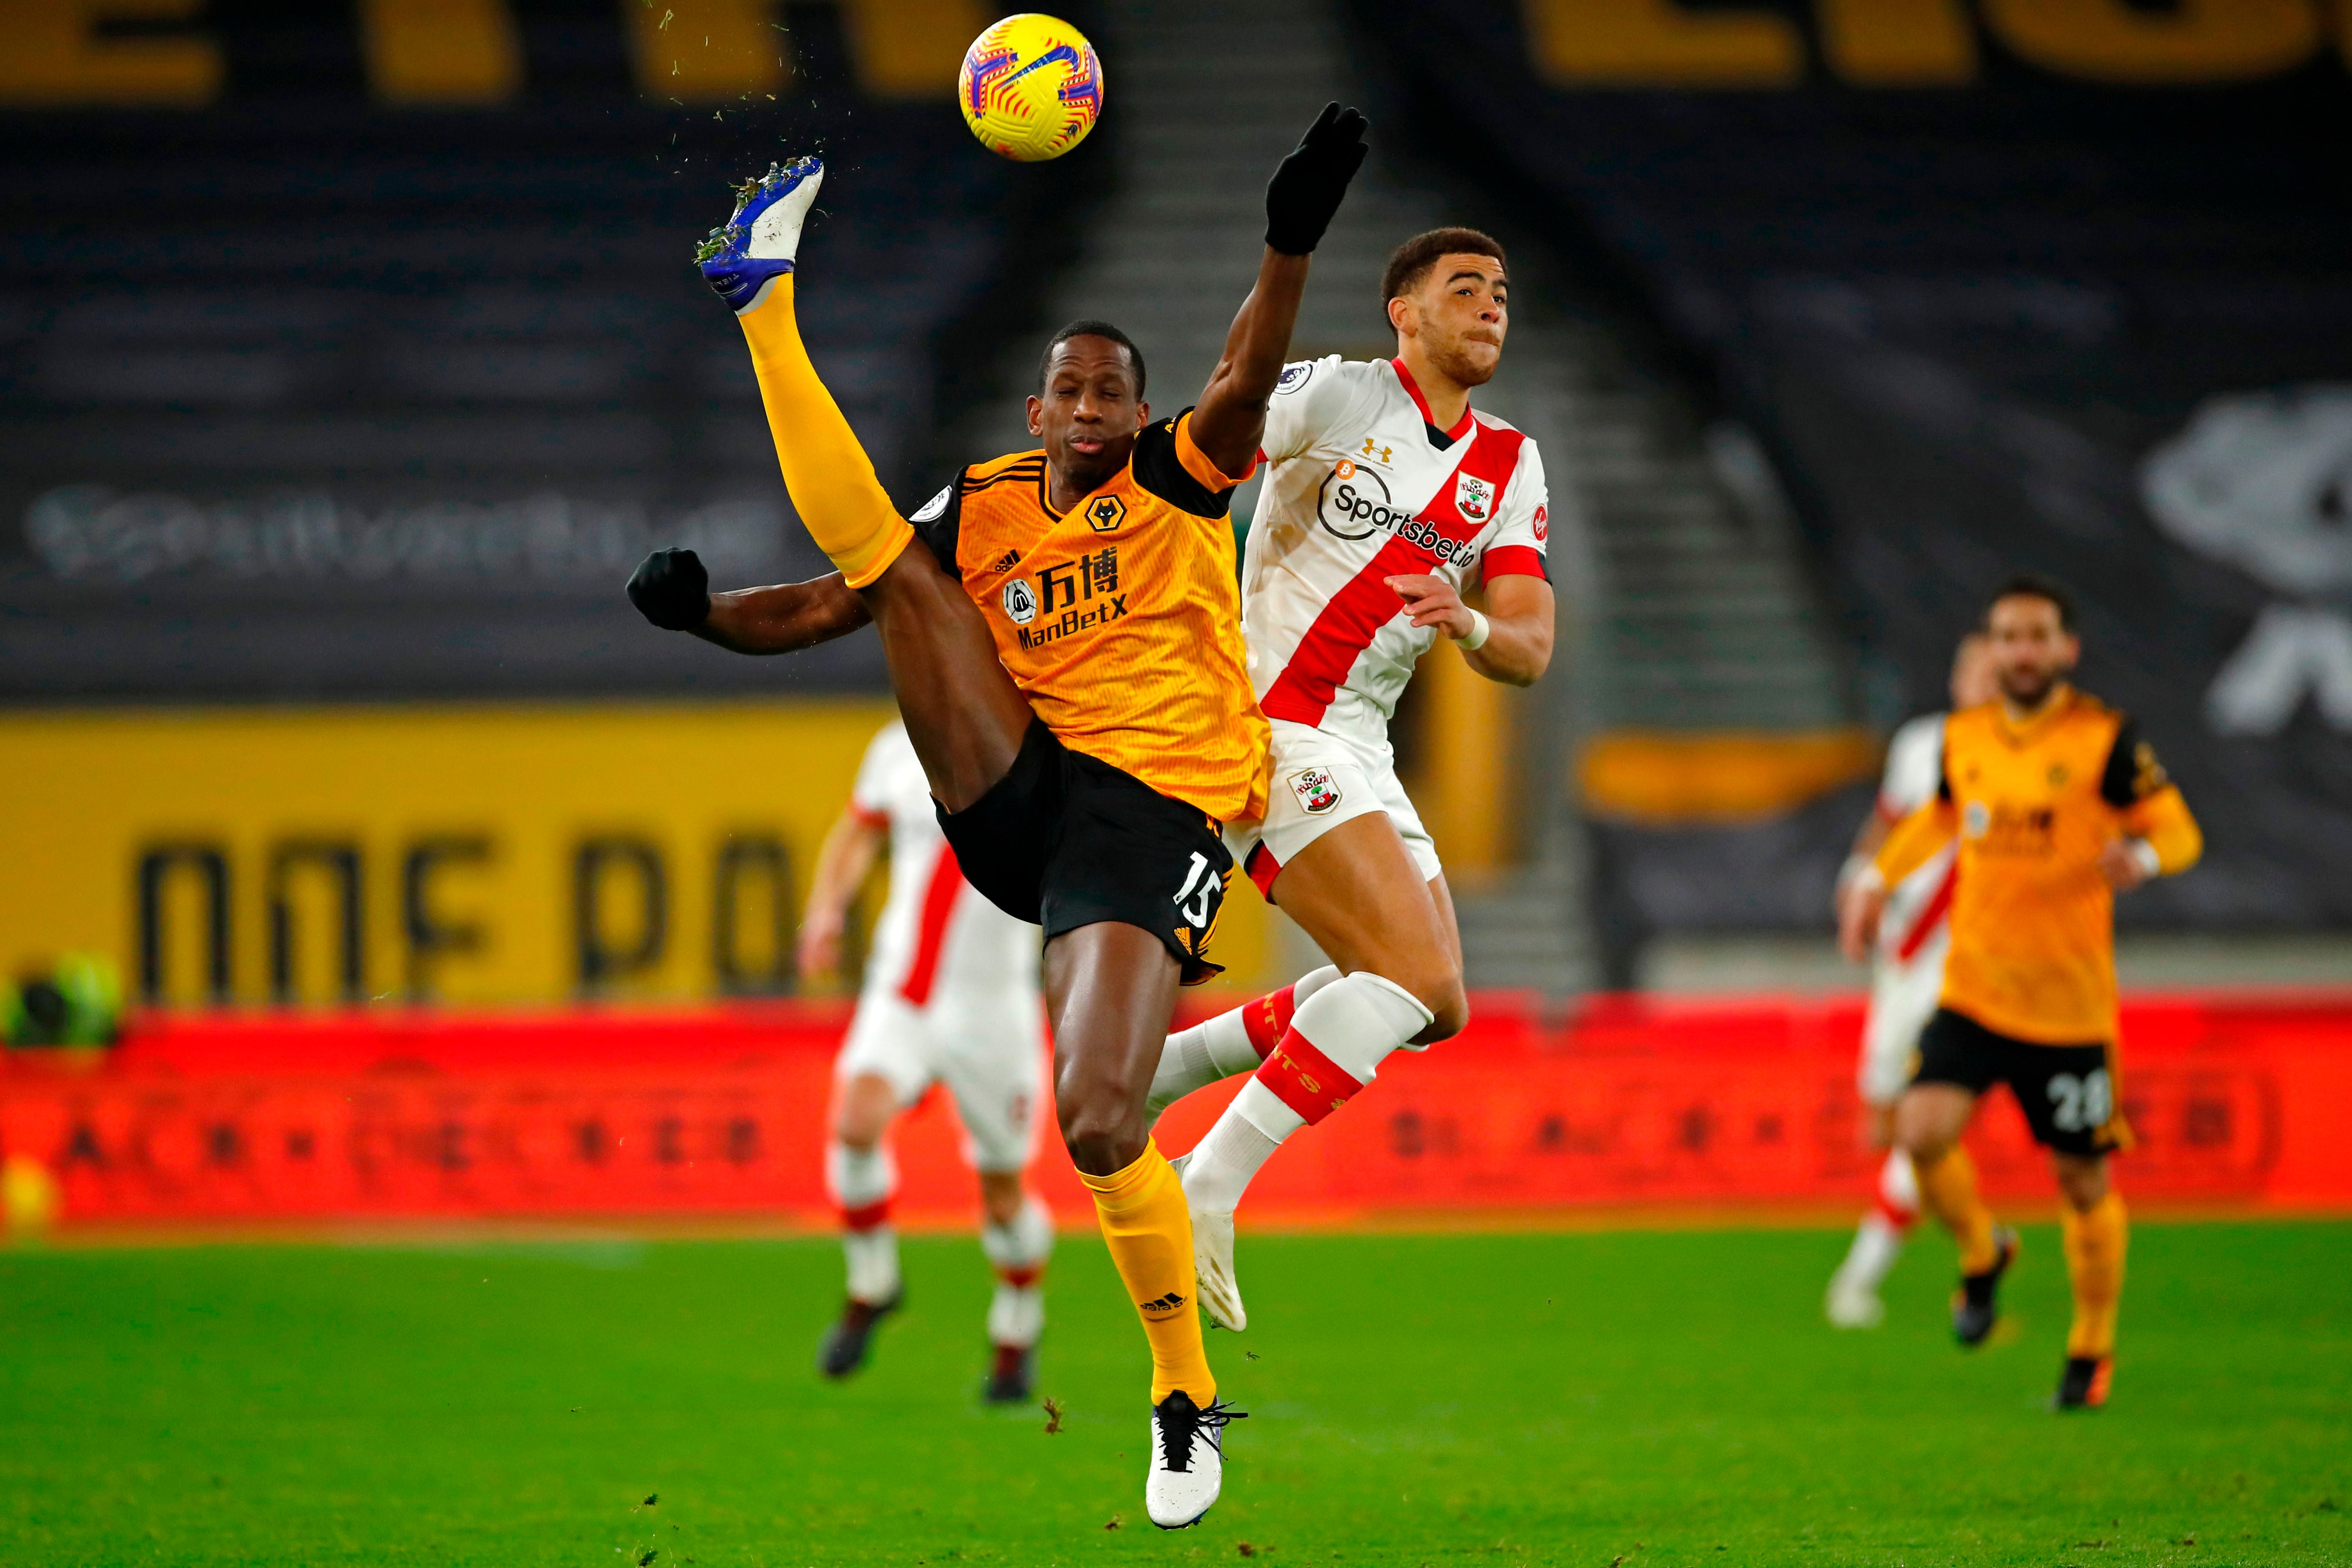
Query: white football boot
x,y
761,241
1188,1459
1213,1259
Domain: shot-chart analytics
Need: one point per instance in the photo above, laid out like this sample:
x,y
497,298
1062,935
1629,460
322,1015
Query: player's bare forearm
x,y
1871,835
847,854
1517,648
784,617
1229,418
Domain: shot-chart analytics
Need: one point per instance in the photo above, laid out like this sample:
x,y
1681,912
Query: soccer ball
x,y
1030,88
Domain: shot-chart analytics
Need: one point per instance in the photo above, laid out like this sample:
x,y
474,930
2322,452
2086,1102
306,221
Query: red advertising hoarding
x,y
2242,1102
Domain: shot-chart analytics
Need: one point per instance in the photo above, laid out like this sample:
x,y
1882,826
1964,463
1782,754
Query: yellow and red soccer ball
x,y
1030,88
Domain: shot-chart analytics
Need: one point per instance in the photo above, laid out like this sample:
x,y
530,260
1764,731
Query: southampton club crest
x,y
1317,790
1473,497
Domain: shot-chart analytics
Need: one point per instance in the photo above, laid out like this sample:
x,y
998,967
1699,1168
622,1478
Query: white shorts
x,y
1903,997
1322,780
988,1049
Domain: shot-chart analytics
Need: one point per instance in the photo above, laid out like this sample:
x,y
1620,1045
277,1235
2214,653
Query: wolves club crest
x,y
1317,790
1473,497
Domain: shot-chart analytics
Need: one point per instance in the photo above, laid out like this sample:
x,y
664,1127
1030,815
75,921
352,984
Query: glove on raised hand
x,y
671,589
1307,188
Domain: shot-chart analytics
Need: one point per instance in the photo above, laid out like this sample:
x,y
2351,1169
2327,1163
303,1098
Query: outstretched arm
x,y
1301,199
673,591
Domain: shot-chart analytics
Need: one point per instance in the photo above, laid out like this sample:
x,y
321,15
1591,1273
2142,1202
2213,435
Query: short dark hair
x,y
1409,264
1090,327
2034,585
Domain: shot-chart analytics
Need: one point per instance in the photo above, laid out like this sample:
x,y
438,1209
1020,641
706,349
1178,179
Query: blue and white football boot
x,y
743,259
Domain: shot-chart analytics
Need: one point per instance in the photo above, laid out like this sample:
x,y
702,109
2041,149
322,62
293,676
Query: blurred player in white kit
x,y
1387,496
950,997
1907,982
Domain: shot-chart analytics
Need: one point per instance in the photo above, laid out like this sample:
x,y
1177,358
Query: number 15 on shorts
x,y
1198,899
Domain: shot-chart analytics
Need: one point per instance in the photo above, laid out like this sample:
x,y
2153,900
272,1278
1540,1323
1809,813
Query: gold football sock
x,y
1949,1191
2095,1244
831,479
1150,1230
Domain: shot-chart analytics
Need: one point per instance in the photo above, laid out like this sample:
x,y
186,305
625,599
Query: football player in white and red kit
x,y
1386,496
950,997
1907,982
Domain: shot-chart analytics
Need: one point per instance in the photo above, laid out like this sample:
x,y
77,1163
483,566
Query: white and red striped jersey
x,y
1918,907
1361,486
936,934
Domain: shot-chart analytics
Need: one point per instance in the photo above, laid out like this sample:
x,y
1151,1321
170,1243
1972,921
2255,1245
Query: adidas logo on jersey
x,y
1170,1302
1007,562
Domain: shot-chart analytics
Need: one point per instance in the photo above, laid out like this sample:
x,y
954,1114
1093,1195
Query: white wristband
x,y
2145,854
1476,636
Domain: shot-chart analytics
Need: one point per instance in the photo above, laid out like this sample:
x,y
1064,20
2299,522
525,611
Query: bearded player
x,y
2058,804
1906,978
1066,652
1387,497
950,997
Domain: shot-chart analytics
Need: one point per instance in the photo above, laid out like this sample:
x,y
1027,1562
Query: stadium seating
x,y
307,393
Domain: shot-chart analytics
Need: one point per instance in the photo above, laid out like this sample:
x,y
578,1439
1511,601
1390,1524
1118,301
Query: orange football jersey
x,y
1121,617
2033,804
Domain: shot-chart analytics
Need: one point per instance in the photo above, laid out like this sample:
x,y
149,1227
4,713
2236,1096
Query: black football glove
x,y
671,589
1307,189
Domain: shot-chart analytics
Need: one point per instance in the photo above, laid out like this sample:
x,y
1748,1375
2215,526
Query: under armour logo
x,y
1378,453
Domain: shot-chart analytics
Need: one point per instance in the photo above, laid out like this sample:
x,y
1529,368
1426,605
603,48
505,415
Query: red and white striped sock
x,y
1878,1239
862,1182
1018,1251
1333,1047
1232,1042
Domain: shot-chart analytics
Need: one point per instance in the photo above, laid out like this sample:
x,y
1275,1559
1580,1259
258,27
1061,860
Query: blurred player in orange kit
x,y
950,997
2058,804
1906,979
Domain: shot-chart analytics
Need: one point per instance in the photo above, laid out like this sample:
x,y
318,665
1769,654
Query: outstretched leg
x,y
963,714
1359,893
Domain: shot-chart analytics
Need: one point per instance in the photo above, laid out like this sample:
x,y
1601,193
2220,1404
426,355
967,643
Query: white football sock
x,y
1355,1022
1878,1239
1018,1250
859,1178
1216,1050
861,1182
1898,1189
872,1255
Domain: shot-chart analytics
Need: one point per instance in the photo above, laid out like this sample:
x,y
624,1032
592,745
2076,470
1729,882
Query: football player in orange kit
x,y
2059,805
1066,648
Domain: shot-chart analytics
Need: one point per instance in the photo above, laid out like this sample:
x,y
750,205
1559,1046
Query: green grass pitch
x,y
1488,1398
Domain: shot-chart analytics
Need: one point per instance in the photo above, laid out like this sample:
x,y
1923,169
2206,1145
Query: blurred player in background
x,y
1066,652
2058,804
1907,978
950,997
1387,497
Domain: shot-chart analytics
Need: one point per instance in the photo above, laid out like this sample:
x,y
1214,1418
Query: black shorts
x,y
1065,840
2067,1092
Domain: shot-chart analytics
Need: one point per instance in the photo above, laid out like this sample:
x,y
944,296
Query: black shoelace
x,y
1180,1424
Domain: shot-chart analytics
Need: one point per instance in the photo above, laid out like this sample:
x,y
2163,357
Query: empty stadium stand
x,y
310,389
